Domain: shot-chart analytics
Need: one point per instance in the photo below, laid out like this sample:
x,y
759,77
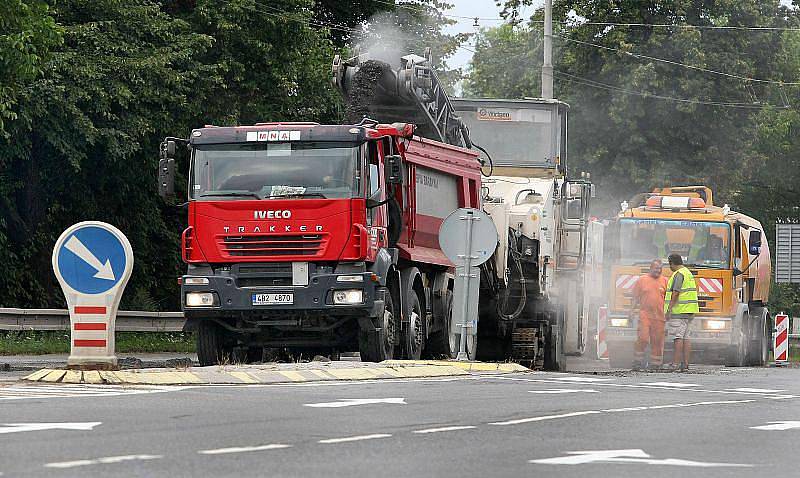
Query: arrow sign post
x,y
92,261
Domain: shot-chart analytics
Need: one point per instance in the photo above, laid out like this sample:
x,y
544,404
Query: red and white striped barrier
x,y
602,324
781,345
709,286
626,281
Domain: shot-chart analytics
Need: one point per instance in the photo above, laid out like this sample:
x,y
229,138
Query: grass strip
x,y
31,342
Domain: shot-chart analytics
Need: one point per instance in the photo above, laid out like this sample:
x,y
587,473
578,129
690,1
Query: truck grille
x,y
273,245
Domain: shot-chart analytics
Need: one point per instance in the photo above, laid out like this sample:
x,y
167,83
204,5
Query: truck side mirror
x,y
166,177
374,200
754,242
393,169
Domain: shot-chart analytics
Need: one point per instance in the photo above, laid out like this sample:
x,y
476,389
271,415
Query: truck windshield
x,y
700,243
269,170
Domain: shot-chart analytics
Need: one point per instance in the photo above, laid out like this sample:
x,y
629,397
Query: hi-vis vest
x,y
687,296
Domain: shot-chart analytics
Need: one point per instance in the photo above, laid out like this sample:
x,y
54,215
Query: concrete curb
x,y
468,366
268,374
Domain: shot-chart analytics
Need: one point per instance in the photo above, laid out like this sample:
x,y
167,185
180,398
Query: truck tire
x,y
737,355
211,344
440,342
379,345
555,357
414,333
760,343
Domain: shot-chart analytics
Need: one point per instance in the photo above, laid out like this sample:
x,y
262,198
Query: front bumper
x,y
234,293
701,338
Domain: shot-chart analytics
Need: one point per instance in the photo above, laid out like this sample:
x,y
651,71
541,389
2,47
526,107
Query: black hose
x,y
515,256
489,157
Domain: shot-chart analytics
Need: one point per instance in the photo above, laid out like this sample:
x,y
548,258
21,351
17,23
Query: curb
x,y
268,374
238,375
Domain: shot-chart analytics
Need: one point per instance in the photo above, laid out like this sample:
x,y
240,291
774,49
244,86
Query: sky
x,y
489,16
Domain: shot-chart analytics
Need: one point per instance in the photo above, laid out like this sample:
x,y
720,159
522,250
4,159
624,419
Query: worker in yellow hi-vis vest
x,y
680,305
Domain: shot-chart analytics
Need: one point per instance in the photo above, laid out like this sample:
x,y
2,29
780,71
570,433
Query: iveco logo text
x,y
279,214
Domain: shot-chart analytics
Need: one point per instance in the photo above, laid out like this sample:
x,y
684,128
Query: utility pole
x,y
547,66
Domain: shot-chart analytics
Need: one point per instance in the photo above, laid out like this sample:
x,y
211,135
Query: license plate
x,y
273,299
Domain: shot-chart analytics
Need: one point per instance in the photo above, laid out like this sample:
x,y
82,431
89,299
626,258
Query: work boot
x,y
637,366
654,368
684,367
669,367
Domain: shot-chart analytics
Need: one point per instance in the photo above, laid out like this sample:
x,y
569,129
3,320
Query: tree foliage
x,y
85,115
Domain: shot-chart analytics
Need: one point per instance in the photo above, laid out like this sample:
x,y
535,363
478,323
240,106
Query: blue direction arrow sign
x,y
91,259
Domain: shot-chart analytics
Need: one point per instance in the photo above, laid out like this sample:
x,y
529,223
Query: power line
x,y
677,63
682,26
605,86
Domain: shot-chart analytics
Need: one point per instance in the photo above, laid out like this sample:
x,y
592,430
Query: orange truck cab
x,y
726,251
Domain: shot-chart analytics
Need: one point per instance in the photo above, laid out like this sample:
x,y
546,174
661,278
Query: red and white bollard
x,y
781,346
92,261
602,324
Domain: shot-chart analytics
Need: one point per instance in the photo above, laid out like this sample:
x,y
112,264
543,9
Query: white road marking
x,y
102,461
242,449
785,425
671,384
564,390
355,438
652,387
581,379
546,417
35,427
635,456
615,410
755,390
31,392
445,429
349,402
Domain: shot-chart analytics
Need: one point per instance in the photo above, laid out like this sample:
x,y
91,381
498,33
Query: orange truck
x,y
726,251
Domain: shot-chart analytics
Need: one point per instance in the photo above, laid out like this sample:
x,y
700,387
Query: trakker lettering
x,y
273,228
277,214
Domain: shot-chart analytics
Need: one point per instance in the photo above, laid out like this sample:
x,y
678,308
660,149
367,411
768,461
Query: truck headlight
x,y
620,322
353,278
195,280
350,296
200,299
715,324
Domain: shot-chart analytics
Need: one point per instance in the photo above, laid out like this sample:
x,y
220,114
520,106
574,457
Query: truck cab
x,y
296,234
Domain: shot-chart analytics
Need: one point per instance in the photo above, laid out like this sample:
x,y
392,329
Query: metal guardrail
x,y
58,319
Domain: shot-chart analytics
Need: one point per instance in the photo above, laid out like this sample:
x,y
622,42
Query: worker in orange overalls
x,y
648,295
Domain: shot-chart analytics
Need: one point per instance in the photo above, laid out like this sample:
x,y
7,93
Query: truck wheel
x,y
440,342
414,333
555,358
761,339
211,346
737,355
378,346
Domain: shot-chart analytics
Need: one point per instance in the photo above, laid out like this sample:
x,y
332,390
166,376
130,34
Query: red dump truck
x,y
318,238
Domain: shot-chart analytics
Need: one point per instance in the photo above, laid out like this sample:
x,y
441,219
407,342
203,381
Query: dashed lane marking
x,y
671,384
755,390
580,379
652,387
244,449
445,429
779,426
355,438
564,390
617,410
634,456
351,402
102,461
30,392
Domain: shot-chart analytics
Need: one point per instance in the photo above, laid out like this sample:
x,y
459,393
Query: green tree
x,y
27,32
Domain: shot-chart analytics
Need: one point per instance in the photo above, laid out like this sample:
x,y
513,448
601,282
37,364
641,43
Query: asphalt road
x,y
696,424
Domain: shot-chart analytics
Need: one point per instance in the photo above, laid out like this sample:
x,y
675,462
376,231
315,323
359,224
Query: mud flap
x,y
555,358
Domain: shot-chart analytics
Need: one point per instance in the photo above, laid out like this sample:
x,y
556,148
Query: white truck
x,y
532,304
